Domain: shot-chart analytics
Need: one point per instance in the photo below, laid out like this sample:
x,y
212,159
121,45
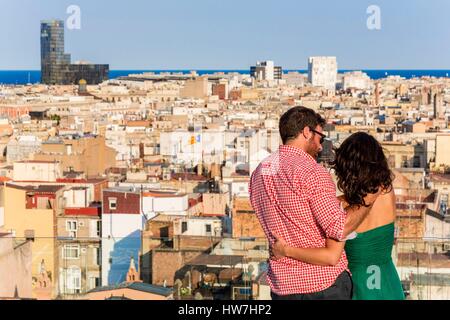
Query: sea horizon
x,y
22,77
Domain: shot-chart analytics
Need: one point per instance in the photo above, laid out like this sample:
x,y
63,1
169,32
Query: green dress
x,y
370,262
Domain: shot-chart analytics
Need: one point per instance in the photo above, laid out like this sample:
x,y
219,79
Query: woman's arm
x,y
328,256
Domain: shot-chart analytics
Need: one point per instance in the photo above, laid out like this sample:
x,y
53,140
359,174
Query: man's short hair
x,y
295,120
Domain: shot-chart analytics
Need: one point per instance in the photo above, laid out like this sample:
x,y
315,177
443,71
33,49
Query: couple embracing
x,y
324,247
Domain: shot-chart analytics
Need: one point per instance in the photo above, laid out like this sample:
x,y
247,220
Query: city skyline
x,y
209,36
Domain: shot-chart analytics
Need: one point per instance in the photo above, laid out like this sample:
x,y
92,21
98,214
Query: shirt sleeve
x,y
324,204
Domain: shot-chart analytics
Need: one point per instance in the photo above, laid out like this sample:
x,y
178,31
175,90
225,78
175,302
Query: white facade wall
x,y
152,206
255,148
116,139
163,204
239,189
121,240
77,198
37,171
22,148
178,144
322,72
430,149
436,229
197,227
245,116
130,129
138,185
265,70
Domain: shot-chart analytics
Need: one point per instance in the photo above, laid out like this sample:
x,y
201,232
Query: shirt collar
x,y
297,151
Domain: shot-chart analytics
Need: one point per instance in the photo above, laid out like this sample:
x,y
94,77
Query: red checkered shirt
x,y
295,198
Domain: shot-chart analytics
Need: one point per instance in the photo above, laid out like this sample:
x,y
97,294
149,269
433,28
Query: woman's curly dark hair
x,y
361,168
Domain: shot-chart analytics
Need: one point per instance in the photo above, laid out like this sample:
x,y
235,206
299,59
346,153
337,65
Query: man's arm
x,y
327,256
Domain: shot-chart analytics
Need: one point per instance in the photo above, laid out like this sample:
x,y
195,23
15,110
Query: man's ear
x,y
307,133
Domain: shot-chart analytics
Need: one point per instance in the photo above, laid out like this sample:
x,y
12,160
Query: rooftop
x,y
36,161
434,260
123,190
163,194
138,286
436,177
431,279
222,260
164,218
188,176
39,189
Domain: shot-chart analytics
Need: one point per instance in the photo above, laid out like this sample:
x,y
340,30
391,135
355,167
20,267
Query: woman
x,y
361,168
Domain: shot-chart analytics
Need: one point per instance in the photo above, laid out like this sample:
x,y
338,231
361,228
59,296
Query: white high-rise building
x,y
322,72
266,70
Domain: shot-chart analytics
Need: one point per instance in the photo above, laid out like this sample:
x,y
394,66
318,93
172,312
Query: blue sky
x,y
233,34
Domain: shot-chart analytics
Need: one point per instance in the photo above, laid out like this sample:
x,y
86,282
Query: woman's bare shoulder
x,y
389,196
385,205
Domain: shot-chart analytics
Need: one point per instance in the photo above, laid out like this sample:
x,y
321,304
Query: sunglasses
x,y
322,136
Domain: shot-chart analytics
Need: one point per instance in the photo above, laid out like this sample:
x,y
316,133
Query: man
x,y
295,197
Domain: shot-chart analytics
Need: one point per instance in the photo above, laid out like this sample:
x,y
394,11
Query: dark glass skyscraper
x,y
56,67
53,58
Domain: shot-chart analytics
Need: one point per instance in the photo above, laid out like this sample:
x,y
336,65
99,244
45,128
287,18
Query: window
x,y
416,162
94,282
184,227
112,203
71,252
245,291
404,161
95,227
208,228
96,256
73,279
72,228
